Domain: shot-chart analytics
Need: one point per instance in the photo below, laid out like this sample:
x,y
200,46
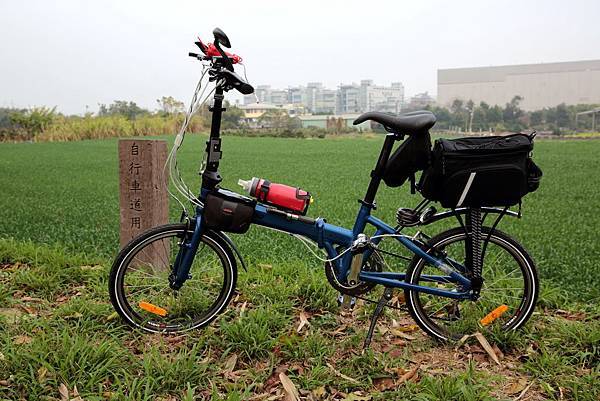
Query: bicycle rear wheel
x,y
510,288
139,281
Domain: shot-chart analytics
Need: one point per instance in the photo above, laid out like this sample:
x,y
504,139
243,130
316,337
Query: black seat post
x,y
377,173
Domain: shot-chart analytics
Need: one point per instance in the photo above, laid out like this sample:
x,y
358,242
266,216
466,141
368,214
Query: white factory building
x,y
540,85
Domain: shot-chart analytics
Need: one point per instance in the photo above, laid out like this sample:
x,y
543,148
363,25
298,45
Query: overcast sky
x,y
71,54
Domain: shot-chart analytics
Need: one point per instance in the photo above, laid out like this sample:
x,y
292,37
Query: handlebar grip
x,y
195,55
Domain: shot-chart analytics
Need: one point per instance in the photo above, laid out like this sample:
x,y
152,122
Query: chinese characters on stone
x,y
135,202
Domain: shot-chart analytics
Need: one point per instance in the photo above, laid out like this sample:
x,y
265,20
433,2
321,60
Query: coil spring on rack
x,y
475,214
407,217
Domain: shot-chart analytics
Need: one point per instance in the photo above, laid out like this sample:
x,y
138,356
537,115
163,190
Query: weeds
x,y
466,386
57,327
67,336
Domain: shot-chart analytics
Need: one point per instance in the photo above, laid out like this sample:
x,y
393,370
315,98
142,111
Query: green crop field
x,y
67,193
283,335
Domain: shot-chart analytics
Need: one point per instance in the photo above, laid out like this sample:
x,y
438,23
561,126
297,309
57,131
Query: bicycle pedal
x,y
346,302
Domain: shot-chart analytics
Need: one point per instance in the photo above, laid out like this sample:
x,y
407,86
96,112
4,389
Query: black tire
x,y
186,311
521,293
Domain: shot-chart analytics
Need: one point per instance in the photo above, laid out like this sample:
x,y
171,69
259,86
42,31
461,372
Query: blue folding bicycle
x,y
179,277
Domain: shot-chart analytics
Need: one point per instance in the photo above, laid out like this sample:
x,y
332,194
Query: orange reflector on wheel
x,y
157,310
493,315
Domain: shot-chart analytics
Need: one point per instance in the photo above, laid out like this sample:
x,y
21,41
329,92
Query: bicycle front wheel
x,y
508,294
139,281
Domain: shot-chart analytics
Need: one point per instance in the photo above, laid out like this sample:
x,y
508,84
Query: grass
x,y
59,233
68,335
66,194
585,135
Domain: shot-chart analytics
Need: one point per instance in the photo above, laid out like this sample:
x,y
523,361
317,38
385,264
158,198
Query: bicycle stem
x,y
210,175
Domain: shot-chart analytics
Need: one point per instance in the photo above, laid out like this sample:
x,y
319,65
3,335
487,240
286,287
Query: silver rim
x,y
225,295
525,308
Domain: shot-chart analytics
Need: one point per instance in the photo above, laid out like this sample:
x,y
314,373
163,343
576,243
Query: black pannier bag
x,y
411,156
483,171
228,211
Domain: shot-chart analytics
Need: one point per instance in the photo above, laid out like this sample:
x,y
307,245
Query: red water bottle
x,y
281,196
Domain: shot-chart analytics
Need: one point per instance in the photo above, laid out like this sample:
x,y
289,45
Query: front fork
x,y
185,257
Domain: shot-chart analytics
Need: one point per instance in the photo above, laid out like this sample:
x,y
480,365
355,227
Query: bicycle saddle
x,y
408,123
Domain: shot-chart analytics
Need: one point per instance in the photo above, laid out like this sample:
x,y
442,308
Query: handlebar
x,y
213,50
222,63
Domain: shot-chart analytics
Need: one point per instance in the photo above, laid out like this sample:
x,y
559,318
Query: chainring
x,y
373,264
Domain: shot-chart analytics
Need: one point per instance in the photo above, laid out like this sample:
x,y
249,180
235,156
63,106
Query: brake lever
x,y
201,45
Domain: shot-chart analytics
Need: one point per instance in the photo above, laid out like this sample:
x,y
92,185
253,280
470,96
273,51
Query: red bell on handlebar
x,y
211,51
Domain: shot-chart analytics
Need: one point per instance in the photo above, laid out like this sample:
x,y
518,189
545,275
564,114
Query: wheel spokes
x,y
146,284
503,289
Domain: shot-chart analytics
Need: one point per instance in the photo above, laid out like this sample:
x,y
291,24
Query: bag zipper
x,y
455,155
484,150
443,164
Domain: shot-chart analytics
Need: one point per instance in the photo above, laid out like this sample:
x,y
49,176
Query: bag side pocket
x,y
534,175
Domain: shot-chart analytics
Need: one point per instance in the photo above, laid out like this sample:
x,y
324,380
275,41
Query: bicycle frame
x,y
326,236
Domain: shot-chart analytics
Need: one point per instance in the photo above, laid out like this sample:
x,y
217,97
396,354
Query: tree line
x,y
468,117
126,118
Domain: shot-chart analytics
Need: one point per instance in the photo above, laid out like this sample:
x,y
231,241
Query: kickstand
x,y
387,295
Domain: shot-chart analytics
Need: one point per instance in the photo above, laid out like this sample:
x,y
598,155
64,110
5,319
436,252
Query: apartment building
x,y
347,98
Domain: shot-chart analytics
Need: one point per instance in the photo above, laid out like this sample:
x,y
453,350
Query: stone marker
x,y
143,197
